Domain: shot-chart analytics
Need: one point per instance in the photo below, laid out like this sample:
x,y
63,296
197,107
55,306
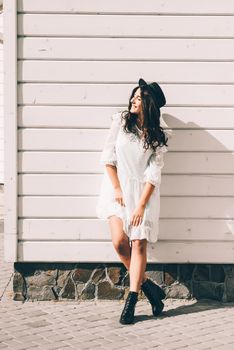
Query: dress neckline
x,y
139,128
140,133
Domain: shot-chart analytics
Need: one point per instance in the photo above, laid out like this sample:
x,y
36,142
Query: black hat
x,y
155,91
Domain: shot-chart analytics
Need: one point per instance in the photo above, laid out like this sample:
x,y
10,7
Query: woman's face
x,y
136,102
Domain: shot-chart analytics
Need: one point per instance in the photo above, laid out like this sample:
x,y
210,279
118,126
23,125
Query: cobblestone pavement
x,y
183,324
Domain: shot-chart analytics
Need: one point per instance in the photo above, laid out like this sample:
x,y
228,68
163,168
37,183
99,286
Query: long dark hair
x,y
153,135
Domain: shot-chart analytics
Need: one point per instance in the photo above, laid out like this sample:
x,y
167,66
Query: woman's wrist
x,y
142,204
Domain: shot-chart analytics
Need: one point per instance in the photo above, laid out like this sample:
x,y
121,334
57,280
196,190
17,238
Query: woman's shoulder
x,y
161,149
116,116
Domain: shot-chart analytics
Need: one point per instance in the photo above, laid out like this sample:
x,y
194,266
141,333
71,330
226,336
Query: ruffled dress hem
x,y
133,232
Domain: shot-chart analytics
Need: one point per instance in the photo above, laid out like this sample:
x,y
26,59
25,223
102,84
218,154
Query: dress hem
x,y
145,231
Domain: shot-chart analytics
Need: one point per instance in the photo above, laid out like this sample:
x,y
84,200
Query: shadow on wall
x,y
197,206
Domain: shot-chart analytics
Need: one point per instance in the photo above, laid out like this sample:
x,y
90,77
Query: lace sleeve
x,y
152,173
108,155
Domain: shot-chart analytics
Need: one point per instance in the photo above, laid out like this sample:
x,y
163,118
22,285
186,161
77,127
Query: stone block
x,y
40,293
114,274
82,274
178,291
126,280
42,278
88,292
170,273
63,275
68,291
228,269
125,294
207,289
18,296
217,273
156,276
80,287
106,291
185,272
141,295
19,287
99,275
229,288
201,273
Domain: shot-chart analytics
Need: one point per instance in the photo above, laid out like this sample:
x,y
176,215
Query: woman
x,y
129,196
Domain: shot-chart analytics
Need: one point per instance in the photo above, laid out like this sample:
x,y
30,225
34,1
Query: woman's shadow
x,y
197,306
196,223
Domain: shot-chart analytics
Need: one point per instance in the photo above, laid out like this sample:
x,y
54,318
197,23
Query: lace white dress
x,y
135,167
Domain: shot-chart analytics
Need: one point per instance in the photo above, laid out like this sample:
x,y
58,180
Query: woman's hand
x,y
119,196
137,215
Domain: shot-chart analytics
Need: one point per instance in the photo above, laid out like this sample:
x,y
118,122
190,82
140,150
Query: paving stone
x,y
223,347
25,346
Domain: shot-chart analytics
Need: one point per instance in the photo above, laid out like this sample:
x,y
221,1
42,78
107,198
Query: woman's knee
x,y
122,246
139,245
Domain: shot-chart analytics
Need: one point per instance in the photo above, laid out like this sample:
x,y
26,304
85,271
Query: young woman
x,y
129,196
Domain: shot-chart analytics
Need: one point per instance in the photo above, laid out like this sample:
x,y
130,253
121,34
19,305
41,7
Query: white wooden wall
x,y
77,64
1,104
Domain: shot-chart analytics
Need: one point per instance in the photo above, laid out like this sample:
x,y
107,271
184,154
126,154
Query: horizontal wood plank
x,y
79,140
164,252
88,162
59,162
124,71
89,184
131,25
125,49
149,6
100,117
85,207
98,230
119,94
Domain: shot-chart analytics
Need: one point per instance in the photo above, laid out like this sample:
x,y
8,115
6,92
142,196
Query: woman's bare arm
x,y
112,172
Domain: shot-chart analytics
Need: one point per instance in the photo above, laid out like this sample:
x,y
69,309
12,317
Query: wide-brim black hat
x,y
155,90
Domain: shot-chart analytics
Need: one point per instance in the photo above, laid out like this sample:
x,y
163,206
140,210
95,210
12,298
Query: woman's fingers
x,y
137,216
119,196
120,201
136,220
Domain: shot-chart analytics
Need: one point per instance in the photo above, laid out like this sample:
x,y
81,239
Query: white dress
x,y
135,167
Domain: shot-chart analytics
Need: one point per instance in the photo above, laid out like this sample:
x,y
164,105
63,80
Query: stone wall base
x,y
81,281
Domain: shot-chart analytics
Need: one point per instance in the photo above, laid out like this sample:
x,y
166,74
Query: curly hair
x,y
153,133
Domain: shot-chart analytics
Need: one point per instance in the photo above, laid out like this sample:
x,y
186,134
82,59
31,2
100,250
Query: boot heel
x,y
155,294
162,294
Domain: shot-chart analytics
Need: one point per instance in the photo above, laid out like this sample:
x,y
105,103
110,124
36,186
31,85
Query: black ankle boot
x,y
127,315
155,294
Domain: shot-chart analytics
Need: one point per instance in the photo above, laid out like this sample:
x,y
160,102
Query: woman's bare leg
x,y
138,264
121,242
